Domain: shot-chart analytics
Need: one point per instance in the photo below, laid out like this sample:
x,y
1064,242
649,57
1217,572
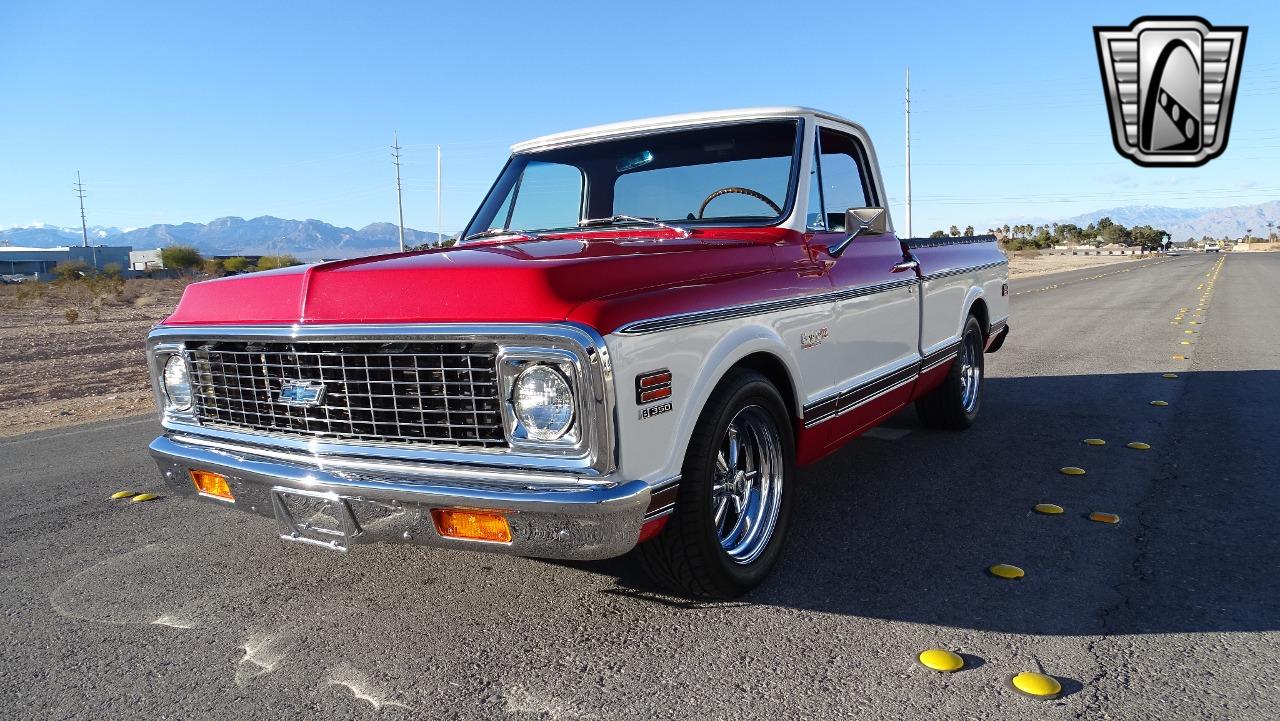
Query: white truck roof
x,y
646,125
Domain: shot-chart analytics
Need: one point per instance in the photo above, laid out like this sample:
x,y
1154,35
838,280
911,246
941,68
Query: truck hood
x,y
533,281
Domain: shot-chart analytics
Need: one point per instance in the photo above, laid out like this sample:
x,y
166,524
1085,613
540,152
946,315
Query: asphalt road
x,y
176,609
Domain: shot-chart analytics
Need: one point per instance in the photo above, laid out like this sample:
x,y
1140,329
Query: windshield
x,y
740,173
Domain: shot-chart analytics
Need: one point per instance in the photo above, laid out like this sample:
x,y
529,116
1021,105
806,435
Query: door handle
x,y
905,265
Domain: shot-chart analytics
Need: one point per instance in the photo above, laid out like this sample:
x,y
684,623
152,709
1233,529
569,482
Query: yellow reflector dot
x,y
1036,684
212,484
1169,375
472,524
1004,570
1179,357
1094,442
1160,403
1072,470
122,494
941,660
1186,342
143,497
1138,446
1101,517
1049,509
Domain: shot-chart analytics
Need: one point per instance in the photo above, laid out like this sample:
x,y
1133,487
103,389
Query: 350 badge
x,y
657,410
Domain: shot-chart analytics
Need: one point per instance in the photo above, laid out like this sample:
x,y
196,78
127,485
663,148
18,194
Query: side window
x,y
815,219
843,182
548,195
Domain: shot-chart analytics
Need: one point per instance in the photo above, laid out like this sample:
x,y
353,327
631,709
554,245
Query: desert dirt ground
x,y
63,368
1024,266
72,352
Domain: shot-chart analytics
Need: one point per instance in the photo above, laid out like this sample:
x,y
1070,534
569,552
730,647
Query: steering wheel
x,y
742,191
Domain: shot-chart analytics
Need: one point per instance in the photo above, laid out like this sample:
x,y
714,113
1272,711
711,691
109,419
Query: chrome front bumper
x,y
322,502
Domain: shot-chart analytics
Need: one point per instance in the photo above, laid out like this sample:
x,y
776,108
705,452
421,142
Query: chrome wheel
x,y
746,492
970,371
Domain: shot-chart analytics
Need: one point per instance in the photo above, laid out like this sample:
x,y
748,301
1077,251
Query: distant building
x,y
145,260
42,261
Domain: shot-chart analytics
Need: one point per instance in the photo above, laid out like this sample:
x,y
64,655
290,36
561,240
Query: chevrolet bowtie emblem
x,y
1170,84
301,393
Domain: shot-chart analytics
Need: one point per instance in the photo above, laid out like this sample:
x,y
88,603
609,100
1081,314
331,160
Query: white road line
x,y
78,431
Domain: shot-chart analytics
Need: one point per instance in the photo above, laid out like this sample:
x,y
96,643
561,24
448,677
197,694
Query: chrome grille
x,y
443,393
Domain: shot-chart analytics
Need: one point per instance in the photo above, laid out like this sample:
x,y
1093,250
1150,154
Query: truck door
x,y
875,338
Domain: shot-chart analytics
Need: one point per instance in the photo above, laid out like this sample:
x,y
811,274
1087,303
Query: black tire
x,y
687,557
948,407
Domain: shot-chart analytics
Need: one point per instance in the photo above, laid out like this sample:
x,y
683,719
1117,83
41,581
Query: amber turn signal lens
x,y
212,484
471,524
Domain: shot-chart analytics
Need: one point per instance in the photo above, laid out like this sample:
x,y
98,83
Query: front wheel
x,y
954,405
732,511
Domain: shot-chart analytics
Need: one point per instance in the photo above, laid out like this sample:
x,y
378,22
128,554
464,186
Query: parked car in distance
x,y
644,330
1213,246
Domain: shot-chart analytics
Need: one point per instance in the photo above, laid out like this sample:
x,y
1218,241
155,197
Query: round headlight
x,y
543,402
177,383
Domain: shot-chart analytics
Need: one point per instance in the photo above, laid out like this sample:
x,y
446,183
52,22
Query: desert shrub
x,y
213,266
181,258
72,315
237,264
71,270
271,262
113,270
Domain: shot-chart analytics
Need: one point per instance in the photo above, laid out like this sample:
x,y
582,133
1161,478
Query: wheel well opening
x,y
771,367
979,311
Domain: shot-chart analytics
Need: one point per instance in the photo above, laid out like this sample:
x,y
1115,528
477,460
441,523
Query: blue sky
x,y
186,112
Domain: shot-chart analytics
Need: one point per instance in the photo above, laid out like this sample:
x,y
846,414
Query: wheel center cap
x,y
740,481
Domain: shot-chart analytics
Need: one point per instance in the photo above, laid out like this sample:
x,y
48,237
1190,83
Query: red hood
x,y
531,281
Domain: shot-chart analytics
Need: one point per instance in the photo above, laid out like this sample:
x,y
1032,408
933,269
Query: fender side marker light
x,y
1072,471
1101,517
122,494
1049,509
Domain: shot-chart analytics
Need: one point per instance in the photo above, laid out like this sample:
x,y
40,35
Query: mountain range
x,y
314,239
265,235
1185,223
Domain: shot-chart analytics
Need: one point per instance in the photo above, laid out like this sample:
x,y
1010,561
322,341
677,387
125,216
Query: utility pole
x,y
1270,237
395,148
84,224
908,135
439,189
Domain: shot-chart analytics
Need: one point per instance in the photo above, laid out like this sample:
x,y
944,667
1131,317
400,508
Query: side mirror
x,y
861,221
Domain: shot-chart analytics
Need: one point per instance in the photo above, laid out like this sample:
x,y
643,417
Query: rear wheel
x,y
732,511
954,405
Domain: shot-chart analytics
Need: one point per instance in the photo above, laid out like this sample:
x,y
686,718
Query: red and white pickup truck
x,y
643,331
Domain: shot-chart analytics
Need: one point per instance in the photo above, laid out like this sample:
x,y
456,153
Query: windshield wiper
x,y
496,232
615,219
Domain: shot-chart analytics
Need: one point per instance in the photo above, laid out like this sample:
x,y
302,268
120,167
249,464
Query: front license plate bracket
x,y
313,517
